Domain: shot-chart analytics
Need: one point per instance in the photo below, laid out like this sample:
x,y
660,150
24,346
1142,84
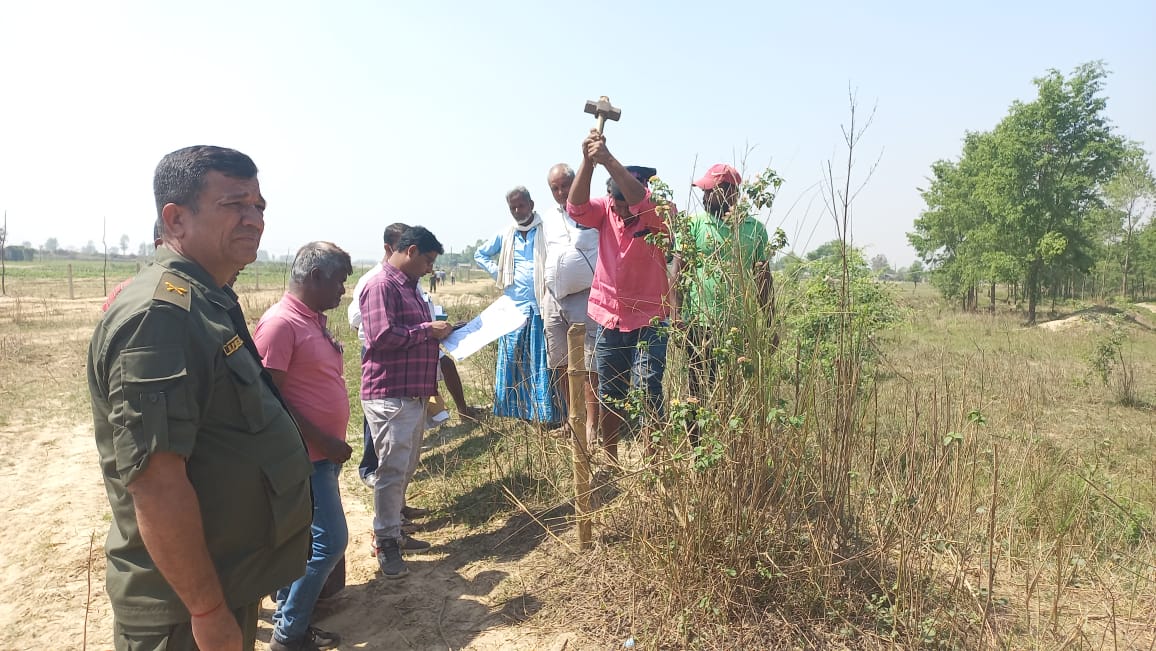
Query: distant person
x,y
398,375
306,363
190,429
726,242
571,257
514,258
433,283
631,285
453,279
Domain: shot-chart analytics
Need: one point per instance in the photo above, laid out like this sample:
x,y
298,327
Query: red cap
x,y
719,173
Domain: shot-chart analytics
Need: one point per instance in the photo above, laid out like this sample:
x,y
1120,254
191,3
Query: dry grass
x,y
999,499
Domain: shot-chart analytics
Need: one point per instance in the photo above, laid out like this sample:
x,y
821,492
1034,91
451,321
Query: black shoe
x,y
314,639
389,558
413,512
300,644
411,544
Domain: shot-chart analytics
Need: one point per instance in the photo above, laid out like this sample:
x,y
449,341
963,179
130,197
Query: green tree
x,y
915,272
1020,201
956,232
1129,198
812,305
879,264
834,248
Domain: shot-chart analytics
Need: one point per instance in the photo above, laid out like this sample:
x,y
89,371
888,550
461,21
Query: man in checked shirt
x,y
398,374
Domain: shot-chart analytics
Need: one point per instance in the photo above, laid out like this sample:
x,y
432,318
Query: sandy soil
x,y
475,590
1062,324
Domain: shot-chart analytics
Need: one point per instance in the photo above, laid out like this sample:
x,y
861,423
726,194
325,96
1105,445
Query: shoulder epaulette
x,y
174,289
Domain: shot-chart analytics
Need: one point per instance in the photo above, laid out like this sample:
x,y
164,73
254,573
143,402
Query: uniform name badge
x,y
233,345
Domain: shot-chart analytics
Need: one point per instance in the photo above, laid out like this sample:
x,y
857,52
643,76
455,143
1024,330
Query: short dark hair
x,y
394,231
180,176
422,238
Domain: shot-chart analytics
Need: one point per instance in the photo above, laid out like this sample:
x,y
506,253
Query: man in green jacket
x,y
206,472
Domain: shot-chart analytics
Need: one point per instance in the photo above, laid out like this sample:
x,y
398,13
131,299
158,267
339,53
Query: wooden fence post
x,y
576,339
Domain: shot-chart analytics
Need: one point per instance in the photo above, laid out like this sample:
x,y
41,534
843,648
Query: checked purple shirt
x,y
401,357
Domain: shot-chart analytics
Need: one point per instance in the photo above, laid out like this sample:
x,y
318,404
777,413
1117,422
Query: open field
x,y
1003,471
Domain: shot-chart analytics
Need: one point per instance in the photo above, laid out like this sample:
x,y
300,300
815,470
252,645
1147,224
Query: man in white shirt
x,y
571,257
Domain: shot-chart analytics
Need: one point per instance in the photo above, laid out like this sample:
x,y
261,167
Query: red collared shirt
x,y
630,285
292,338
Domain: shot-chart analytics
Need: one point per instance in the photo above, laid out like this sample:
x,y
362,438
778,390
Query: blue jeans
x,y
369,461
330,536
637,357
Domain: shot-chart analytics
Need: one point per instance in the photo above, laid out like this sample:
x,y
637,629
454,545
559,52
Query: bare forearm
x,y
632,191
331,447
675,287
169,517
312,435
580,189
453,382
766,288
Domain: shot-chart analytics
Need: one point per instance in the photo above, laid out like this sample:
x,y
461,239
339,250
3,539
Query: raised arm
x,y
632,191
580,188
486,255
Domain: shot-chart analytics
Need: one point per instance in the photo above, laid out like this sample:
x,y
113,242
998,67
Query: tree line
x,y
26,252
1053,203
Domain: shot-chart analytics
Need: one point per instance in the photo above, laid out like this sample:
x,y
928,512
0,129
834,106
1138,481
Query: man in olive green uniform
x,y
205,470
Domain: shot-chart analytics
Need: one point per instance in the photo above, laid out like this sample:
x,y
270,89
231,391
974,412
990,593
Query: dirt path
x,y
54,507
475,590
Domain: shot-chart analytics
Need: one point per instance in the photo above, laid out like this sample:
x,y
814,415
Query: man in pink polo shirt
x,y
305,361
629,295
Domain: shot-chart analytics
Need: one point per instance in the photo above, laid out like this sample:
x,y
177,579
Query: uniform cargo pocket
x,y
290,502
152,393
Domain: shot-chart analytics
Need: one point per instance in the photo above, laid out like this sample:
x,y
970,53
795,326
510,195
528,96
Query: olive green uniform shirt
x,y
724,267
168,371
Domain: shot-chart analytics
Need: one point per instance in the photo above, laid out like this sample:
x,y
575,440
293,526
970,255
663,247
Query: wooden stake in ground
x,y
3,267
104,243
576,338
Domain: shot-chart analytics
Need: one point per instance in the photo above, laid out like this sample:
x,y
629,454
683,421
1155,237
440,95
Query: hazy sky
x,y
360,114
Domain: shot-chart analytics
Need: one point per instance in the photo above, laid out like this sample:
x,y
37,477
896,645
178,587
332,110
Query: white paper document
x,y
501,318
